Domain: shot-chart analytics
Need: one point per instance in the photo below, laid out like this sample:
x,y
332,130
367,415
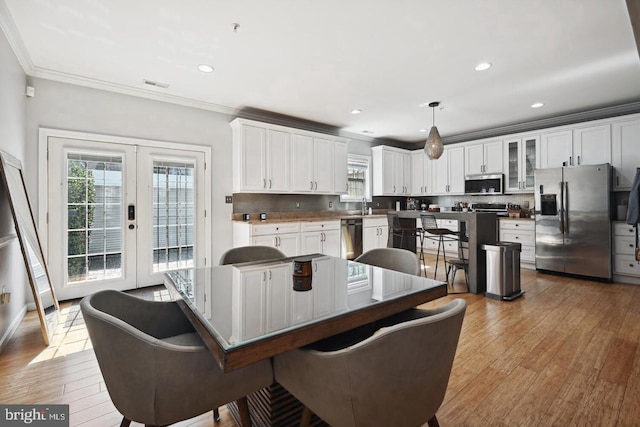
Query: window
x,y
358,178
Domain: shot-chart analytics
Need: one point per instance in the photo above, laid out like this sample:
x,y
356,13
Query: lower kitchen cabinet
x,y
375,233
624,257
521,231
284,236
321,238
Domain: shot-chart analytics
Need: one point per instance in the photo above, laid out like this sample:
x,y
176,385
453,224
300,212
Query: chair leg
x,y
305,420
216,415
125,422
433,422
243,409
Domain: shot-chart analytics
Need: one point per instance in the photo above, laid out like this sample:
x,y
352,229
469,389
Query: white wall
x,y
12,140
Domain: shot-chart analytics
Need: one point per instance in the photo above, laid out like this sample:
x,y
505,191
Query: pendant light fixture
x,y
433,147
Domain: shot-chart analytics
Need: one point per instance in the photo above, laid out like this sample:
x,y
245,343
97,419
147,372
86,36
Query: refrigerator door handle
x,y
561,212
565,207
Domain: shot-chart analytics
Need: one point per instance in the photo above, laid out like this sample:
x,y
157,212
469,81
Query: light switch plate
x,y
228,199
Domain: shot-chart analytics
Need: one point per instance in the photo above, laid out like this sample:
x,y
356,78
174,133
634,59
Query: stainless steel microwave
x,y
484,184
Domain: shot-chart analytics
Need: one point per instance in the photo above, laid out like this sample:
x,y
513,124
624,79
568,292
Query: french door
x,y
121,215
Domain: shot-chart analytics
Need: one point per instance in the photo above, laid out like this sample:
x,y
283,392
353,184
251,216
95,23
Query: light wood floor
x,y
565,354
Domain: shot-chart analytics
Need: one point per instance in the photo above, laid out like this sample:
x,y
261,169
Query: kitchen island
x,y
480,228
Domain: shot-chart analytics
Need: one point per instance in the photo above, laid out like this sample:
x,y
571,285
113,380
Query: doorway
x,y
121,213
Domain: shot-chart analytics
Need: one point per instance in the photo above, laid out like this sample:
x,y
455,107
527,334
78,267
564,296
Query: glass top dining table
x,y
252,311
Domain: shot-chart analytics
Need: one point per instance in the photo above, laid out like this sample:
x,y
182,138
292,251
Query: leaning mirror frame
x,y
27,233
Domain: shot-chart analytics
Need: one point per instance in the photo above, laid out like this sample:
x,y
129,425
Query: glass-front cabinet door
x,y
520,162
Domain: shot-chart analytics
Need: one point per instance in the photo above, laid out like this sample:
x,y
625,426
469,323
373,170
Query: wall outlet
x,y
297,205
377,204
228,199
330,204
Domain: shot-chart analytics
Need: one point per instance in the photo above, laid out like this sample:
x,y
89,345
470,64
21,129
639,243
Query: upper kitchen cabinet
x,y
520,160
447,173
589,145
277,159
260,158
391,171
340,178
420,174
483,157
625,152
312,164
592,145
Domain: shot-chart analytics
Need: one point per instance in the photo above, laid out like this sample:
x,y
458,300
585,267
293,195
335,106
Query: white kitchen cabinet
x,y
520,231
261,158
375,233
625,152
340,179
556,149
321,237
587,145
447,173
592,145
624,257
283,236
520,160
391,171
312,164
483,158
420,173
260,312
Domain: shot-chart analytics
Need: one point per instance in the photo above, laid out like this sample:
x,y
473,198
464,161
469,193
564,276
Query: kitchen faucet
x,y
364,206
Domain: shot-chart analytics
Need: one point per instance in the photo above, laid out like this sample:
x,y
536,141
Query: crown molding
x,y
566,119
10,31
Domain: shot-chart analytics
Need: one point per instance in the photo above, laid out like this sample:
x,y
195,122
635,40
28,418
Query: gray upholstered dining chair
x,y
396,259
396,377
155,366
250,253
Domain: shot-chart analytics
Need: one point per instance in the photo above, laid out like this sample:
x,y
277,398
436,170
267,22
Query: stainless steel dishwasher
x,y
351,238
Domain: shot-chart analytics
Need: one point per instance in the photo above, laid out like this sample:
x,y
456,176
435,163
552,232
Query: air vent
x,y
158,84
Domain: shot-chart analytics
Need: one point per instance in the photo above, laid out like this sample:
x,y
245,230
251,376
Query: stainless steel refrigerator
x,y
573,220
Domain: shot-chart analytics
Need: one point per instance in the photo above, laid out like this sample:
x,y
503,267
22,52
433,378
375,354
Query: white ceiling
x,y
318,60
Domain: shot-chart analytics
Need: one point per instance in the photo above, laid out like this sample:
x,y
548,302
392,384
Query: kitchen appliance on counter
x,y
573,220
484,184
500,209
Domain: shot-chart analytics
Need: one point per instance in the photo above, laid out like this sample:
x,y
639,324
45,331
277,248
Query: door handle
x,y
578,160
562,207
570,161
264,183
566,208
269,183
311,188
316,185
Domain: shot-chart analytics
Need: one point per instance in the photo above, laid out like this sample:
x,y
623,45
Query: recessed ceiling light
x,y
537,105
423,130
483,66
356,111
205,68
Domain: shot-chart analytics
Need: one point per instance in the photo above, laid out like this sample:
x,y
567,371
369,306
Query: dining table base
x,y
273,406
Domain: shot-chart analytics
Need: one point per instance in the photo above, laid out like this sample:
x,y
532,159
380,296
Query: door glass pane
x,y
94,219
513,164
173,216
530,160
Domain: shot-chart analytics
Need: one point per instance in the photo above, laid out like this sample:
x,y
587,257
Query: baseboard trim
x,y
12,328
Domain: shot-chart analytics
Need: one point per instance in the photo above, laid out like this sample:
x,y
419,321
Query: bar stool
x,y
396,229
430,227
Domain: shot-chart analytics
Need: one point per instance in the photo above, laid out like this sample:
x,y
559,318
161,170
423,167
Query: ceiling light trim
x,y
483,66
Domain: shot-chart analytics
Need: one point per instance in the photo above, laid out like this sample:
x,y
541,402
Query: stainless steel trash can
x,y
503,270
